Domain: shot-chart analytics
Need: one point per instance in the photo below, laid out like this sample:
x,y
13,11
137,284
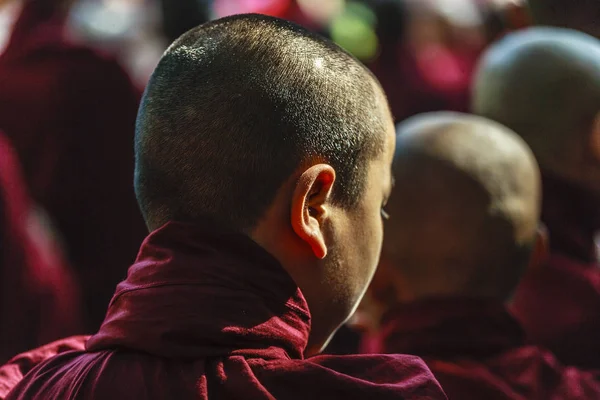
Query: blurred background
x,y
428,45
71,76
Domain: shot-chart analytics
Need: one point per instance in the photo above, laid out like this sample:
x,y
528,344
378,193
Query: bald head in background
x,y
463,230
544,83
582,15
465,208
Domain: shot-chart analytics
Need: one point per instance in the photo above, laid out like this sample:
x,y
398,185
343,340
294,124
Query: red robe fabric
x,y
70,113
477,351
206,313
38,296
13,372
559,305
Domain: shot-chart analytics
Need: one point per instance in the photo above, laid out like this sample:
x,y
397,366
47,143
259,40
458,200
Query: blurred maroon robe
x,y
207,313
38,296
559,305
437,79
477,351
70,113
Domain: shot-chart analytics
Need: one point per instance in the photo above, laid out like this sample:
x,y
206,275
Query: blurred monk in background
x,y
263,157
544,83
39,301
70,113
463,229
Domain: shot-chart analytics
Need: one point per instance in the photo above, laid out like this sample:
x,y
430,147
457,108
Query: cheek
x,y
378,239
373,231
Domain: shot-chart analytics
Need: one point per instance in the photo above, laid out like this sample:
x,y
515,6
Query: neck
x,y
572,216
275,234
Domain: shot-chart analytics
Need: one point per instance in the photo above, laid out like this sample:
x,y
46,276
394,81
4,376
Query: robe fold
x,y
559,304
70,113
477,350
13,371
206,313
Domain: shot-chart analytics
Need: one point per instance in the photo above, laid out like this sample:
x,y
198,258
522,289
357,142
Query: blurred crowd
x,y
72,73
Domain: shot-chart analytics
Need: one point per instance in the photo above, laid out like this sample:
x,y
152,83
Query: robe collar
x,y
201,291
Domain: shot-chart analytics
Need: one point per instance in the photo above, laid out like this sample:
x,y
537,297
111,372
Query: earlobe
x,y
309,208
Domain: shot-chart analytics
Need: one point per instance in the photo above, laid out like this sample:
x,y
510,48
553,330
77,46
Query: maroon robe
x,y
13,372
206,313
38,296
477,351
70,113
559,305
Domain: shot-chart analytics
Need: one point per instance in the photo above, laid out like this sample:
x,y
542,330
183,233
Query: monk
x,y
70,113
39,299
263,157
582,15
463,229
543,83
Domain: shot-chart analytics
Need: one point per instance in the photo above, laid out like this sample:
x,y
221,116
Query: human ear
x,y
310,206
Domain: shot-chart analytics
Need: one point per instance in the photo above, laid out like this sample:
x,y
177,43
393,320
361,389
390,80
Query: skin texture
x,y
544,83
464,213
331,252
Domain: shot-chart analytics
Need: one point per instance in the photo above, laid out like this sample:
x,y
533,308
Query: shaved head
x,y
272,131
544,83
582,15
236,106
465,209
